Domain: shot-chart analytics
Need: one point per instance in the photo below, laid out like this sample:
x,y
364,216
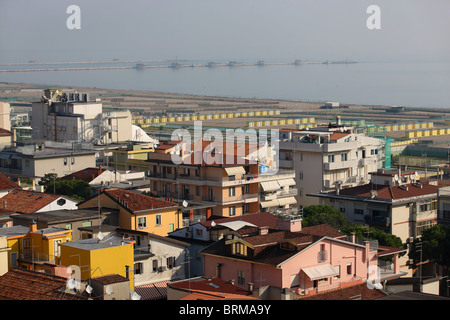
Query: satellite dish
x,y
70,284
185,204
416,173
89,289
109,290
413,177
101,236
396,177
213,224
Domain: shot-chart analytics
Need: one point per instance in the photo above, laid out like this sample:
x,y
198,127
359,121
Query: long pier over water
x,y
140,65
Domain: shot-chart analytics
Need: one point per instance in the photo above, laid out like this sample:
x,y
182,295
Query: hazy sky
x,y
224,29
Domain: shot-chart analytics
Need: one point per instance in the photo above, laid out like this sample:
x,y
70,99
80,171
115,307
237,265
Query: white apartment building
x,y
326,157
72,117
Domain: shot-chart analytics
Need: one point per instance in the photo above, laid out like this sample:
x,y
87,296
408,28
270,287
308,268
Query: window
x,y
349,268
231,191
199,232
65,161
197,191
239,248
300,175
247,207
170,262
232,211
171,227
155,184
61,202
13,259
142,222
68,226
344,156
359,211
27,163
331,158
158,220
138,268
72,160
338,270
356,154
155,265
241,277
26,243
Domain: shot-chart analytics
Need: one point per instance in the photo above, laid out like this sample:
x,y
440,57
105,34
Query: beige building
x,y
329,156
5,122
36,161
4,255
394,202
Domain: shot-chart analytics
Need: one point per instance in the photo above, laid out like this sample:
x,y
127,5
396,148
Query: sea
x,y
408,84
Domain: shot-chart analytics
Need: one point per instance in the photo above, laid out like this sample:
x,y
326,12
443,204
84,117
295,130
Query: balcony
x,y
340,165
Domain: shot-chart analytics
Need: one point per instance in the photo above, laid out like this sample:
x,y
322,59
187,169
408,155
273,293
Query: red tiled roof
x,y
87,174
153,291
6,183
389,192
266,248
338,135
355,292
20,284
211,285
135,202
26,201
110,279
5,132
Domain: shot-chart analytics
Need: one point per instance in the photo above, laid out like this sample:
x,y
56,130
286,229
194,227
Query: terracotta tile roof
x,y
135,202
266,247
389,192
7,184
211,289
355,292
338,135
26,201
153,291
87,174
212,285
20,284
110,279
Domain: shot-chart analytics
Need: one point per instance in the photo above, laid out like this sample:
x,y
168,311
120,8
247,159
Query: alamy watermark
x,y
232,147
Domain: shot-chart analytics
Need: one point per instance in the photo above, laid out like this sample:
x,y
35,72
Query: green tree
x,y
435,246
47,178
76,189
323,214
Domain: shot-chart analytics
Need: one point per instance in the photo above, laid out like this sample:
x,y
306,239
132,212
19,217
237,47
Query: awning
x,y
268,204
232,171
320,272
286,182
270,186
153,291
286,201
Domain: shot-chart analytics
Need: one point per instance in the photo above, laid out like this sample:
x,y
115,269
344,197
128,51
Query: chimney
x,y
5,204
250,286
33,226
263,231
353,237
232,281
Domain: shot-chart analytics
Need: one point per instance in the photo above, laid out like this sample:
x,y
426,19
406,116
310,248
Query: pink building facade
x,y
299,263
